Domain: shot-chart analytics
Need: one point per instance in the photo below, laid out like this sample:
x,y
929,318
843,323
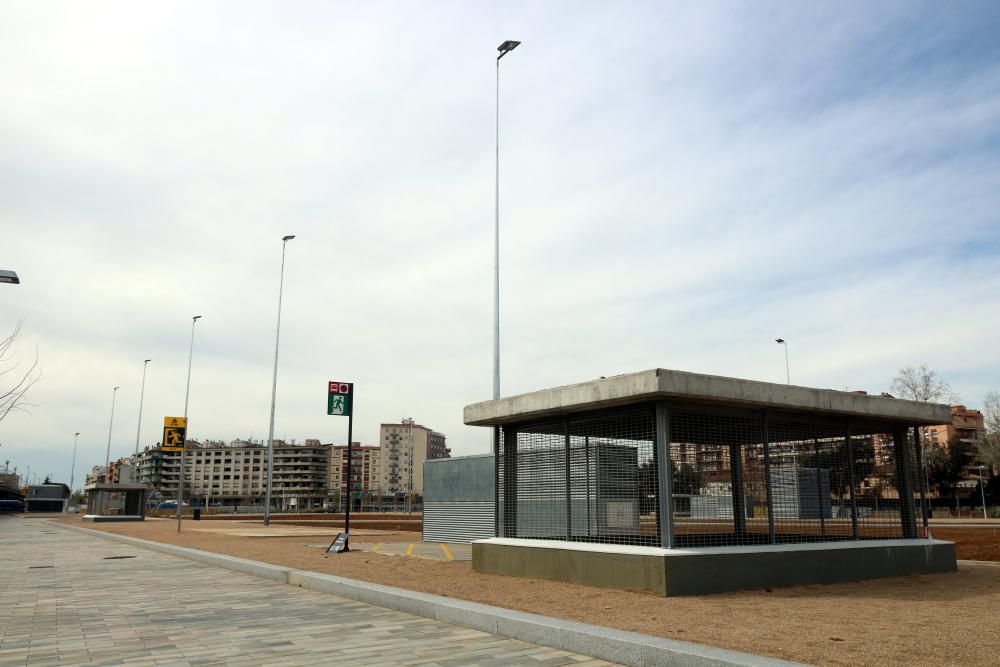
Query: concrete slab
x,y
661,383
713,569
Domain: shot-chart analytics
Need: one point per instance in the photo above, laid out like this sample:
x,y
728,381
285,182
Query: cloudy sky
x,y
681,184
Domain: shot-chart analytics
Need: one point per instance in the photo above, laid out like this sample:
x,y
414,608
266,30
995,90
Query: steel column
x,y
904,483
739,494
850,480
664,475
768,482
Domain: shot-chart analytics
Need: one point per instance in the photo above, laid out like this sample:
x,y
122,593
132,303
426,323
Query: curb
x,y
627,648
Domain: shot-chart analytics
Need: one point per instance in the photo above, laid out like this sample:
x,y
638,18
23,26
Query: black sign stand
x,y
347,515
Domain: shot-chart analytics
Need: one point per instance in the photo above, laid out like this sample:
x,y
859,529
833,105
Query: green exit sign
x,y
340,398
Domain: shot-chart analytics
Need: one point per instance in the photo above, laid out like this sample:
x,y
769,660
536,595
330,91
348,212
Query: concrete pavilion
x,y
681,483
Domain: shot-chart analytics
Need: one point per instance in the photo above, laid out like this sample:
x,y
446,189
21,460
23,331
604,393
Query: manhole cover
x,y
117,557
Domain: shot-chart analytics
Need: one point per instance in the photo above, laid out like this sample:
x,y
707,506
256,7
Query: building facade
x,y
405,447
236,473
966,426
366,469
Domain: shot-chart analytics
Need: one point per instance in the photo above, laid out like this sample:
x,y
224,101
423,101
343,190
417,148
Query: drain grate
x,y
117,557
39,567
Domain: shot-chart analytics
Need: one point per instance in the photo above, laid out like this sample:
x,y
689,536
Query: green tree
x,y
945,467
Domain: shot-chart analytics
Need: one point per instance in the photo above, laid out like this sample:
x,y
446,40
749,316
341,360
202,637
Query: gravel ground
x,y
931,619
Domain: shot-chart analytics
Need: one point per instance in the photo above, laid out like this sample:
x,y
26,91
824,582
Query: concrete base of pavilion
x,y
100,518
701,571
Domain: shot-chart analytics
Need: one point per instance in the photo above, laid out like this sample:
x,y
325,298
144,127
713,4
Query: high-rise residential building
x,y
405,447
366,468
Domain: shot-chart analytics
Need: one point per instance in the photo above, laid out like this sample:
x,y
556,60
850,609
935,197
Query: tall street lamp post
x,y
504,49
187,393
274,389
72,467
142,393
784,343
111,424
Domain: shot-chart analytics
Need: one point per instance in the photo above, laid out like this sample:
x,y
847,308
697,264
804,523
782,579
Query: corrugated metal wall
x,y
458,499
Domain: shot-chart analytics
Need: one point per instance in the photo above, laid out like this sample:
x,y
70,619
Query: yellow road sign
x,y
173,434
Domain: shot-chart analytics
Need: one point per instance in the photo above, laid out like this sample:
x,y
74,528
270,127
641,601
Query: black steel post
x,y
918,453
509,526
768,482
664,477
739,495
497,456
904,483
569,495
350,473
819,490
850,480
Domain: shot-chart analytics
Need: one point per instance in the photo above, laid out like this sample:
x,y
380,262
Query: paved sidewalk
x,y
67,599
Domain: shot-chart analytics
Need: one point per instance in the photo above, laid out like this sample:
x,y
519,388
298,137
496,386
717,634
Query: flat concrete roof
x,y
661,383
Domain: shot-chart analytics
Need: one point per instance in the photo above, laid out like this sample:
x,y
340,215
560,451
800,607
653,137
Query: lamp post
x,y
72,468
142,393
274,390
187,393
111,424
504,49
784,343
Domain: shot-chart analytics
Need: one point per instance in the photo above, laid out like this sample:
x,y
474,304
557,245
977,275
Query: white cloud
x,y
681,184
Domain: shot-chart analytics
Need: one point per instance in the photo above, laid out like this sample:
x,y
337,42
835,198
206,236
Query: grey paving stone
x,y
161,609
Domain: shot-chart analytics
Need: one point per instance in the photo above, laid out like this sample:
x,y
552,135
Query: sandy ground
x,y
934,619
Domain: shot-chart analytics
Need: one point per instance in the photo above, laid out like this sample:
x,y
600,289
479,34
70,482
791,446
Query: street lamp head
x,y
507,47
146,361
779,341
77,433
288,238
117,388
196,318
9,277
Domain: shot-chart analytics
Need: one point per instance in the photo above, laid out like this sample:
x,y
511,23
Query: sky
x,y
681,183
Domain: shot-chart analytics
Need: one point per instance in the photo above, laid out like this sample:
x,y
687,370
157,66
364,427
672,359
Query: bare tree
x,y
921,384
988,447
13,391
991,412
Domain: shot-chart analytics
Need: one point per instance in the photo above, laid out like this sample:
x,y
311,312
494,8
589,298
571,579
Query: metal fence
x,y
733,477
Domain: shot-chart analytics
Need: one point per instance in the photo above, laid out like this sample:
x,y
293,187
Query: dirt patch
x,y
972,543
884,622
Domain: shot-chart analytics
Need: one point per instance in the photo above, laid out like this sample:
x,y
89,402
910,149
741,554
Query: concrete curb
x,y
627,648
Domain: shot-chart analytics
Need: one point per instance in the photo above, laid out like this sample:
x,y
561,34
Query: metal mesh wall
x,y
583,478
736,477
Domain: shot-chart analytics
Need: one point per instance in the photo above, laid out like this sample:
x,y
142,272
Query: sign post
x,y
340,403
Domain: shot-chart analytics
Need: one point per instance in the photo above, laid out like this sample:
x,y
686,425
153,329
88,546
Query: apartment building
x,y
405,447
366,469
966,426
236,473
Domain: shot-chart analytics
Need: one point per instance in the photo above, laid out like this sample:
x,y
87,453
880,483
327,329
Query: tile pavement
x,y
64,602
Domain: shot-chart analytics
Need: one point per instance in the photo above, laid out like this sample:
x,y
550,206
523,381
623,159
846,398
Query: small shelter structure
x,y
116,502
682,483
47,497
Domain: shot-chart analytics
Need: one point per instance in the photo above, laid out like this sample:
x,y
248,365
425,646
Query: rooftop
x,y
661,383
